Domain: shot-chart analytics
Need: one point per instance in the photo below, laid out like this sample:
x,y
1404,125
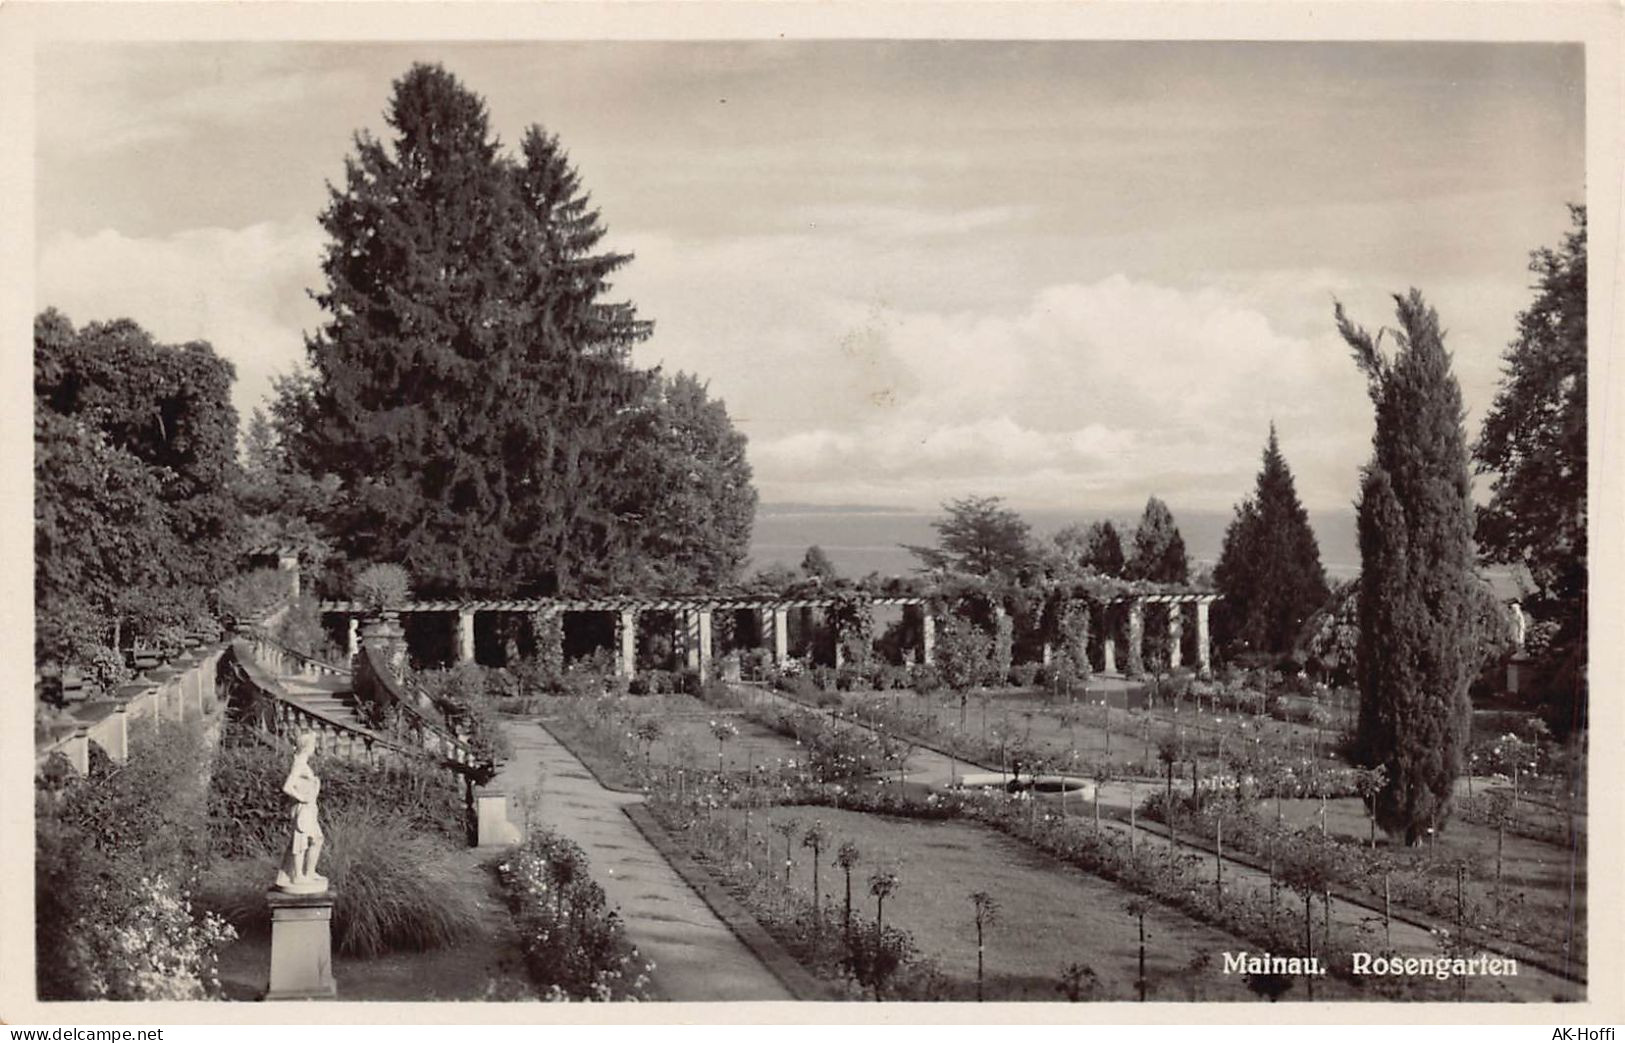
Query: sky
x,y
1072,274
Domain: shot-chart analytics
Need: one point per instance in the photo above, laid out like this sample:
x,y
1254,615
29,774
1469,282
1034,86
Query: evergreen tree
x,y
1416,654
1269,570
472,392
1534,443
1159,549
1097,547
1104,550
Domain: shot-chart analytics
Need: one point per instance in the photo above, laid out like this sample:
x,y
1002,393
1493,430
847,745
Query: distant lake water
x,y
864,540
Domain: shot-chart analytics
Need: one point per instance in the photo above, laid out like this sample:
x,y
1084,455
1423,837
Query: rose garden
x,y
435,691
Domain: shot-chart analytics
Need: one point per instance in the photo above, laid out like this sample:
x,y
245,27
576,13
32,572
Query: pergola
x,y
693,617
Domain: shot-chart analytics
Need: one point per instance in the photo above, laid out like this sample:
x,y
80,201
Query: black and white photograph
x,y
1048,518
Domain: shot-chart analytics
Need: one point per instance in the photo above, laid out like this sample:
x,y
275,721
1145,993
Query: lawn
x,y
686,737
1051,915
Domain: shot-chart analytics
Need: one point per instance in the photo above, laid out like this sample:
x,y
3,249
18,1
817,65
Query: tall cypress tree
x,y
1416,656
1269,570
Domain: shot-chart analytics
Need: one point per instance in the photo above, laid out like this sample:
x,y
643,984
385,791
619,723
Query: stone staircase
x,y
326,695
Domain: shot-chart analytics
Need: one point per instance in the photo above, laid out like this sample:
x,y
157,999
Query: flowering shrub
x,y
575,948
117,854
158,949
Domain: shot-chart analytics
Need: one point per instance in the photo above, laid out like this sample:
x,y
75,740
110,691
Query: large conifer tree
x,y
1269,570
1416,655
472,390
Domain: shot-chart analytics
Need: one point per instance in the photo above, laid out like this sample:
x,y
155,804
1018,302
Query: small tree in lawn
x,y
847,856
649,732
816,838
1500,809
882,885
986,911
1368,782
787,828
1102,775
1077,980
1137,908
1168,754
1308,872
962,654
1513,756
723,730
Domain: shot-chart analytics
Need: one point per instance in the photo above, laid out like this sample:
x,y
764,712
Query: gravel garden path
x,y
696,956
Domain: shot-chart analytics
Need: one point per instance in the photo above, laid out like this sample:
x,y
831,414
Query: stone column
x,y
118,734
1136,637
78,750
491,817
702,640
928,636
688,637
1204,655
781,635
1176,634
198,674
465,636
301,946
626,642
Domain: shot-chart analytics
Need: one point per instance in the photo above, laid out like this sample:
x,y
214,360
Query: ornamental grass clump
x,y
398,889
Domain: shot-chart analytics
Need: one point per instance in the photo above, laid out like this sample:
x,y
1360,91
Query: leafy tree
x,y
815,564
1159,549
979,537
135,471
281,504
1269,570
1416,654
686,503
1534,443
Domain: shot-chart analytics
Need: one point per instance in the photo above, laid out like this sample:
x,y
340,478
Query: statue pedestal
x,y
301,945
491,820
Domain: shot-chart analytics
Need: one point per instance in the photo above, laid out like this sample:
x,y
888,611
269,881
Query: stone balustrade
x,y
183,689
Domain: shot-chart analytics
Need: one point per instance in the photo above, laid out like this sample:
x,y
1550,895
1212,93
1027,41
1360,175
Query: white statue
x,y
298,872
1520,627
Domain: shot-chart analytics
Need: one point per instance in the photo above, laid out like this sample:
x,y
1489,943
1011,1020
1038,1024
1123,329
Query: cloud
x,y
858,370
243,290
97,99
